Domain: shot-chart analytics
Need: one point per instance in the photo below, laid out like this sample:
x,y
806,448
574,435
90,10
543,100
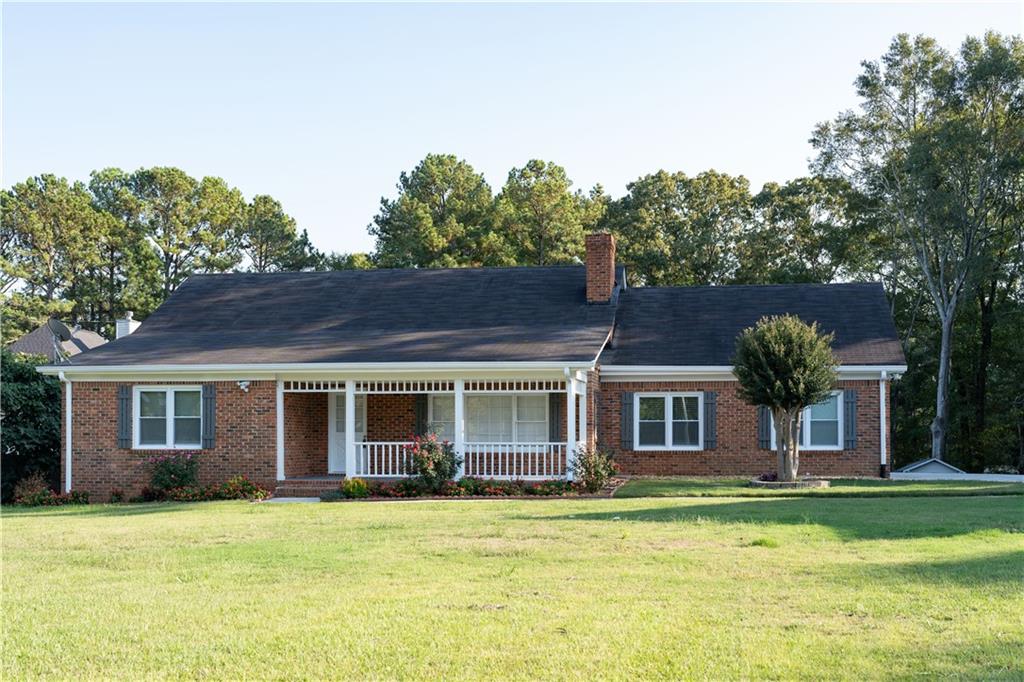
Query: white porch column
x,y
883,455
570,423
582,435
279,431
67,436
350,428
460,425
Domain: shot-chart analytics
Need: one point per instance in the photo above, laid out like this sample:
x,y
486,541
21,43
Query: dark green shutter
x,y
554,417
421,414
209,415
850,419
626,421
764,428
124,416
710,420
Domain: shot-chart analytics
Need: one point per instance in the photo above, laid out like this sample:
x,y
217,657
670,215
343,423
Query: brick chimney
x,y
600,267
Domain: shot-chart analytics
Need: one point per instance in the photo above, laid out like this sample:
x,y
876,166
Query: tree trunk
x,y
787,430
941,421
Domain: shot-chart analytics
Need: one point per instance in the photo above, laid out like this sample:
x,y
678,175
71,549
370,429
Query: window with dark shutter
x,y
626,421
421,414
710,420
554,418
764,427
209,416
850,419
124,416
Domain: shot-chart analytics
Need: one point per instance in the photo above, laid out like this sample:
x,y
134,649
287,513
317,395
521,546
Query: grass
x,y
852,487
720,588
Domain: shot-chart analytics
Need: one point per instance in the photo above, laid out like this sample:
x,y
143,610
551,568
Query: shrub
x,y
355,488
30,403
433,461
769,476
237,488
593,469
116,495
34,491
176,470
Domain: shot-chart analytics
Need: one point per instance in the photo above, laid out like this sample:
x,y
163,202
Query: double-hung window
x,y
821,425
168,418
668,421
504,418
442,417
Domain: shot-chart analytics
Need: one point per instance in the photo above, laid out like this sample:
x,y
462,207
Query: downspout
x,y
883,468
67,430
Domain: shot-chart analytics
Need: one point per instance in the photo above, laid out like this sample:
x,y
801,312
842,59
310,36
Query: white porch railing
x,y
515,460
482,460
383,459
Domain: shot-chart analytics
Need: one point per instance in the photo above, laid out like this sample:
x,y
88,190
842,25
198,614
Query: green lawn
x,y
737,487
719,588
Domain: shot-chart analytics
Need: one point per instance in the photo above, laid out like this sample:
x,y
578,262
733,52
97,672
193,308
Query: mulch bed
x,y
606,492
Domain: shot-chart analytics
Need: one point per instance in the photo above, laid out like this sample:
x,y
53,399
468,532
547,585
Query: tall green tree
x,y
347,261
937,140
808,230
677,230
442,217
539,215
192,226
270,240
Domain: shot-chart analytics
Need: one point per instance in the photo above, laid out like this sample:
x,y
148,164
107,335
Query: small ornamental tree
x,y
785,365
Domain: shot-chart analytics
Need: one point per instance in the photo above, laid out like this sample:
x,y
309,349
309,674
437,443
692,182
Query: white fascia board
x,y
315,370
722,372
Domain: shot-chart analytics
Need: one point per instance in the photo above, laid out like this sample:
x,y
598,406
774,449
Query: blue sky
x,y
322,105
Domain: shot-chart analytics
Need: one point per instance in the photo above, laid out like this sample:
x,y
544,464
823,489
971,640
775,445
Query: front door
x,y
336,430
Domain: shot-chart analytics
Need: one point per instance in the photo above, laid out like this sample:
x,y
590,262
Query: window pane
x,y
153,404
443,408
825,433
153,431
652,408
186,404
685,408
186,430
685,433
489,419
532,432
826,410
533,408
652,433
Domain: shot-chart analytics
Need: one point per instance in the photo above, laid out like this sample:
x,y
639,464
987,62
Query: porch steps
x,y
311,486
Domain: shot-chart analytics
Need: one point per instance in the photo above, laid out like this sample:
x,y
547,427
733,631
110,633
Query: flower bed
x,y
465,487
235,488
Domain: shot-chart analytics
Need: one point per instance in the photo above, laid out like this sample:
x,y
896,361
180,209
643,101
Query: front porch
x,y
523,429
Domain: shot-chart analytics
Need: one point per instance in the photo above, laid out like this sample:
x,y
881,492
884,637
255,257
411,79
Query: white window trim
x,y
805,445
667,396
168,417
515,414
430,412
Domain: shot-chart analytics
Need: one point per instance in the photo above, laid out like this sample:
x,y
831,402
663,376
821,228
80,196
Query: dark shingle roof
x,y
699,325
458,315
39,341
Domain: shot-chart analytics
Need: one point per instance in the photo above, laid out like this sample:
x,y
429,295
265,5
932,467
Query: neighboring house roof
x,y
39,341
697,326
931,465
413,315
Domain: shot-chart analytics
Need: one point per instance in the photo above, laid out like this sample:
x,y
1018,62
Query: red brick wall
x,y
737,453
305,434
390,417
245,439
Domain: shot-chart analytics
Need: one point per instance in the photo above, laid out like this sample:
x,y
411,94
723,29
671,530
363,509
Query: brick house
x,y
297,379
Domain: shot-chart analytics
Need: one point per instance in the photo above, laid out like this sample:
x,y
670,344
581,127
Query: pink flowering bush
x,y
433,461
173,470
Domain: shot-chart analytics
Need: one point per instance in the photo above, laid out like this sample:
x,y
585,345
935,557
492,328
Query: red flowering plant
x,y
173,470
433,461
